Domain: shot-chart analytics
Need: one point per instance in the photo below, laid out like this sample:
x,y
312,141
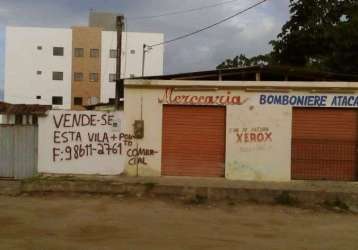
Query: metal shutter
x,y
193,141
324,144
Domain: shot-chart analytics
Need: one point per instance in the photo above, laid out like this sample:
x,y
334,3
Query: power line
x,y
207,27
174,13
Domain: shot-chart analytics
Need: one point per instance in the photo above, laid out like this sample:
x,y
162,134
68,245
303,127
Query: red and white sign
x,y
170,97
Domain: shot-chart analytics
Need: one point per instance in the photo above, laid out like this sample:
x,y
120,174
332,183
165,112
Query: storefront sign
x,y
170,97
310,100
252,135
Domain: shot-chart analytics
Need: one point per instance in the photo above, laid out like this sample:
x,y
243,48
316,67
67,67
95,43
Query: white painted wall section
x,y
258,143
23,59
86,142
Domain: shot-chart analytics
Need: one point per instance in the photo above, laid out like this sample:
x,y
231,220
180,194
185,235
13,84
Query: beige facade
x,y
259,117
86,66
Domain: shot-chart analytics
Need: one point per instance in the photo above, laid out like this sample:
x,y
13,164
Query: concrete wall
x,y
268,159
81,142
88,142
131,62
259,109
7,119
23,60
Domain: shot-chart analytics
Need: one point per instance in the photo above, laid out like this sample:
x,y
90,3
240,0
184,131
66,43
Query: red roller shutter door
x,y
324,144
193,141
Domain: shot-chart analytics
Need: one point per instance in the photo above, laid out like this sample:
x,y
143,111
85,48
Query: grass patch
x,y
197,200
286,199
337,203
149,185
33,178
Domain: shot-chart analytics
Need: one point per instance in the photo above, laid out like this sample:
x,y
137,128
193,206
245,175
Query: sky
x,y
248,34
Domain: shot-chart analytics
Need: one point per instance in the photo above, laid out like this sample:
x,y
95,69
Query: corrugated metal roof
x,y
31,109
267,73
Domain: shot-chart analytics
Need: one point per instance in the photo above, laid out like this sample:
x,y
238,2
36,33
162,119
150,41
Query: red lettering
x,y
221,100
236,100
239,137
177,100
247,138
209,100
268,136
253,137
194,99
167,98
260,137
217,98
186,99
170,98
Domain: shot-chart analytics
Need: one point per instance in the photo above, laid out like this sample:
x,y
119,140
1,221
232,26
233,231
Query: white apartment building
x,y
42,64
30,64
132,57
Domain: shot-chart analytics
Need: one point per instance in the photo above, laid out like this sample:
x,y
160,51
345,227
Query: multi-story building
x,y
69,68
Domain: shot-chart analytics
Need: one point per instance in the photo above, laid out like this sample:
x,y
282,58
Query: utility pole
x,y
119,81
146,49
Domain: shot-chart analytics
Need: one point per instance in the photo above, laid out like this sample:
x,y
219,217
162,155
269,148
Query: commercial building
x,y
74,67
244,130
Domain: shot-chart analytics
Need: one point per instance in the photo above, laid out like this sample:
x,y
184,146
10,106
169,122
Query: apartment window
x,y
94,53
132,51
79,52
39,72
112,77
58,76
58,51
77,101
113,53
78,76
93,77
38,97
57,100
39,47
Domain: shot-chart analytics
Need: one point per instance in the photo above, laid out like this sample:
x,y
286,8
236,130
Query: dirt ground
x,y
97,222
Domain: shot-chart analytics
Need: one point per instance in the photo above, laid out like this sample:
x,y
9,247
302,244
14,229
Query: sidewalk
x,y
304,193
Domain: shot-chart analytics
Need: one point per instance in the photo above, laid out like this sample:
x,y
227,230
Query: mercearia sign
x,y
171,97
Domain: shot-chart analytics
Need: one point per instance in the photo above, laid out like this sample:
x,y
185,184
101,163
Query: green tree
x,y
321,34
243,61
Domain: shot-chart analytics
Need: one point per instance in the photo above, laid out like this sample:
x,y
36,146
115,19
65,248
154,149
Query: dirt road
x,y
54,222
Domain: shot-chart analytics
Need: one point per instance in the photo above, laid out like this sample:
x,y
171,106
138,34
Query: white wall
x,y
61,153
7,119
131,63
258,143
23,60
